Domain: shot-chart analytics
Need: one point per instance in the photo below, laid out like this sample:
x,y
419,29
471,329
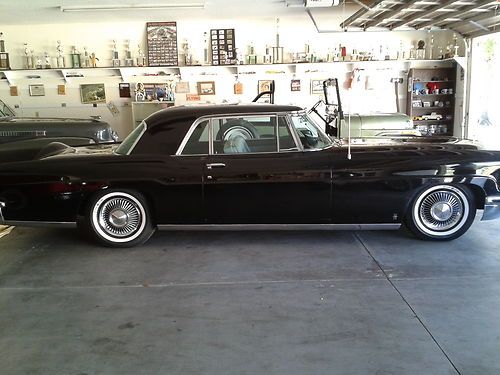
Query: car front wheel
x,y
441,212
119,218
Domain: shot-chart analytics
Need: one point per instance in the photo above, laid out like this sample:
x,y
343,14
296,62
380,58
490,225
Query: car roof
x,y
196,111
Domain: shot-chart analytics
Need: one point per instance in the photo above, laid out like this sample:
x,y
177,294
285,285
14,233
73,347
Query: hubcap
x,y
441,210
119,217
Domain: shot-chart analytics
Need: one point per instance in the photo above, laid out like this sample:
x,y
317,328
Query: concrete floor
x,y
251,303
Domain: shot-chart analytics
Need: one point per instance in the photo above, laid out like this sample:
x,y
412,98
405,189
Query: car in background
x,y
24,137
249,166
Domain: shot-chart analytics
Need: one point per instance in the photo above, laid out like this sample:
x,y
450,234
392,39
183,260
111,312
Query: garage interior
x,y
254,302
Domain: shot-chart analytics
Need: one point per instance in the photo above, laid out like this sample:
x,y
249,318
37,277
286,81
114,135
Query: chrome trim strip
x,y
2,205
42,224
280,227
491,208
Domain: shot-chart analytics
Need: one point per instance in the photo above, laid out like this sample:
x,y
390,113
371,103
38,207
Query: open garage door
x,y
484,112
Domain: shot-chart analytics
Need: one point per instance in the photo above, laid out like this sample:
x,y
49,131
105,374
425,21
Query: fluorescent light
x,y
112,7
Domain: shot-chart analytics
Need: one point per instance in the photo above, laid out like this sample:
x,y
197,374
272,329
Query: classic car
x,y
246,167
23,137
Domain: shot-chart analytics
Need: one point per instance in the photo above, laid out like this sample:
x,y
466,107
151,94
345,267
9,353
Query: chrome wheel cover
x,y
118,217
441,210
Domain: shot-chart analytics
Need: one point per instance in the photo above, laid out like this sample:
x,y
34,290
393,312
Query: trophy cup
x,y
116,59
27,59
129,61
206,54
268,57
86,58
4,56
60,55
421,50
187,58
277,50
76,60
251,57
141,57
455,45
46,64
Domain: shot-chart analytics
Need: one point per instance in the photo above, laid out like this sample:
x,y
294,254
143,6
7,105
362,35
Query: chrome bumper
x,y
491,208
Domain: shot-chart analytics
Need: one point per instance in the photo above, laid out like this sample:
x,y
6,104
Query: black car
x,y
23,137
249,166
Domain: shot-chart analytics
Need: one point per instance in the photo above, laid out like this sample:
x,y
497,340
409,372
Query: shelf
x,y
432,95
448,81
428,108
424,122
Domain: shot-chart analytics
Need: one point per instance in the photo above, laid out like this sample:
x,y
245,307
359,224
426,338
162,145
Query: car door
x,y
257,173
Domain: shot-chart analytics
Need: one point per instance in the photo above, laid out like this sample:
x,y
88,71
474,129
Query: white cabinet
x,y
141,110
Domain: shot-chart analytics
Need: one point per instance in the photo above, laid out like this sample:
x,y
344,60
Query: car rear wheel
x,y
119,218
441,213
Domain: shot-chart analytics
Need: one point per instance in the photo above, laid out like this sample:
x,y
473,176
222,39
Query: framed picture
x,y
124,90
265,85
93,93
37,90
317,86
238,88
61,89
13,91
182,87
206,88
295,85
162,43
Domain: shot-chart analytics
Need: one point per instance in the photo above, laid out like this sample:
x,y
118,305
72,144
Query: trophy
x,y
206,54
116,59
251,57
431,48
86,58
76,60
268,57
421,50
455,45
277,50
141,57
28,59
46,64
60,55
129,61
4,56
186,58
38,64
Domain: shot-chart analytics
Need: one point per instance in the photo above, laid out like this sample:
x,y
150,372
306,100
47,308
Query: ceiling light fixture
x,y
112,7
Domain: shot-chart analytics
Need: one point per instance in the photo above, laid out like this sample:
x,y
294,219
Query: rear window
x,y
128,143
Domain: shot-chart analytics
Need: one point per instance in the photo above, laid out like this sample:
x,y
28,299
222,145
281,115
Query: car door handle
x,y
215,165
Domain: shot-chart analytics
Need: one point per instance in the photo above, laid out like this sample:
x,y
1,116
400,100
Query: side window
x,y
286,141
243,135
197,143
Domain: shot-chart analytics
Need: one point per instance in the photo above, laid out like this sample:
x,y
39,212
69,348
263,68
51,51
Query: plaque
x,y
223,46
295,85
162,43
61,89
14,91
37,90
124,89
238,88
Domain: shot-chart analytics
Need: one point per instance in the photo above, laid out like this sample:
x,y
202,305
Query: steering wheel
x,y
307,138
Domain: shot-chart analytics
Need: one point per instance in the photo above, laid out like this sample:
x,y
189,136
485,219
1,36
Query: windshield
x,y
311,136
129,143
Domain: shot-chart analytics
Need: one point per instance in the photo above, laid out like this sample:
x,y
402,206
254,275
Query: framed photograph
x,y
295,85
206,88
93,93
61,89
317,86
37,90
265,85
182,87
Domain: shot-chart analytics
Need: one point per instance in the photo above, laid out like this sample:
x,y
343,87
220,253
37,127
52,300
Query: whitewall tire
x,y
119,218
441,212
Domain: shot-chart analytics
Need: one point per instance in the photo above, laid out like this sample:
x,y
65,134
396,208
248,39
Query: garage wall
x,y
295,31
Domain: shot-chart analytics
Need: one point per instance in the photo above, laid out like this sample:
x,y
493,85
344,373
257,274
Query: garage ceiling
x,y
469,18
